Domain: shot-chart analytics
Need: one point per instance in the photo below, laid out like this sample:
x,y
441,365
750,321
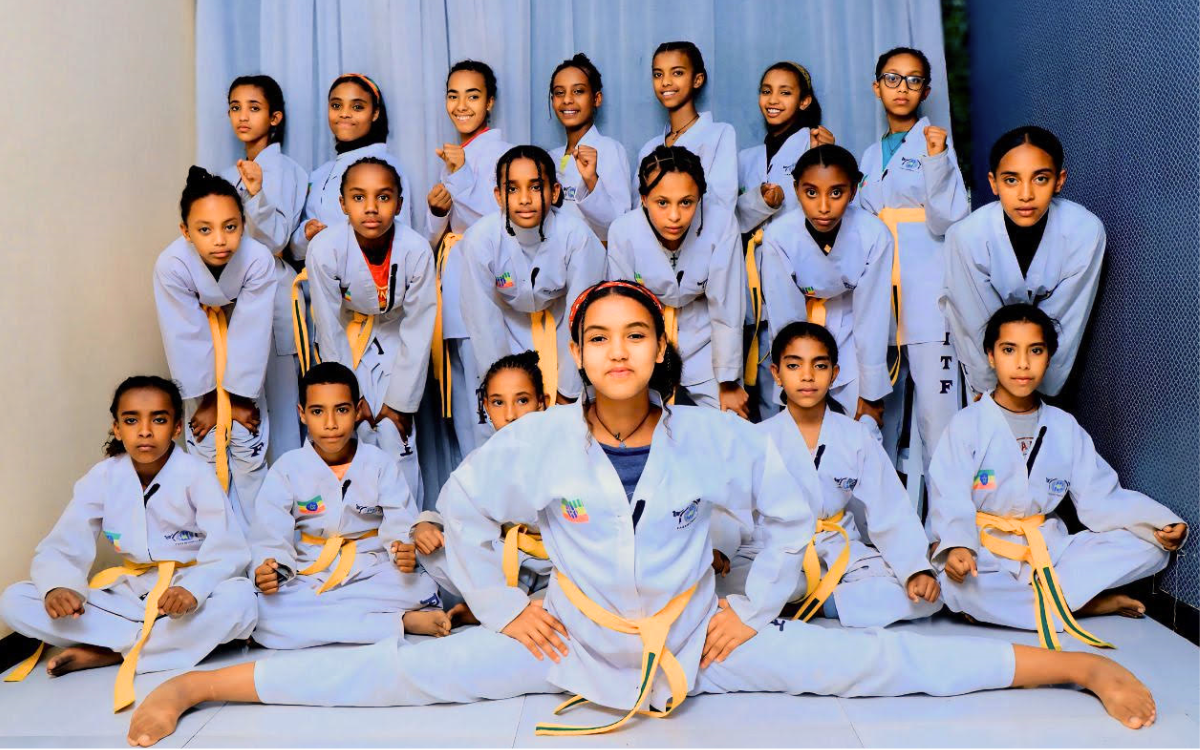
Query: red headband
x,y
368,81
609,285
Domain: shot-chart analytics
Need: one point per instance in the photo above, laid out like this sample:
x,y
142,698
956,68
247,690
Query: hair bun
x,y
197,175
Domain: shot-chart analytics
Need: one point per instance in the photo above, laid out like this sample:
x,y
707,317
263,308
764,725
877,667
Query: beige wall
x,y
96,139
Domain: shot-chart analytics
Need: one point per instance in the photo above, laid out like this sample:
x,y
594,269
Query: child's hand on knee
x,y
923,586
63,602
266,576
720,563
1171,537
176,601
959,563
726,631
404,556
535,629
245,412
428,537
205,416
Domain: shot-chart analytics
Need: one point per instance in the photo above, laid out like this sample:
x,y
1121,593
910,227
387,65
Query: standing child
x,y
359,122
679,76
164,514
465,193
698,275
215,290
830,264
372,287
913,184
511,389
1030,246
876,584
1004,465
272,187
337,498
592,168
627,522
523,267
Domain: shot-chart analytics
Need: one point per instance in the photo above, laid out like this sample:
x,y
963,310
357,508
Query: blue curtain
x,y
408,45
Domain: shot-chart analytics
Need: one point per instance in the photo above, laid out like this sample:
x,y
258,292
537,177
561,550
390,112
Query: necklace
x,y
617,435
674,134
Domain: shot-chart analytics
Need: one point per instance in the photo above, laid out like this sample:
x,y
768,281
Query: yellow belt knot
x,y
893,217
653,632
754,281
342,548
520,538
1048,598
819,588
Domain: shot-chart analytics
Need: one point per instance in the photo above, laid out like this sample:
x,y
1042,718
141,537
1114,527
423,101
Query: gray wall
x,y
1118,83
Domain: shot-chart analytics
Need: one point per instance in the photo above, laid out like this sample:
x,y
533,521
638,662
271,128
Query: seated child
x,y
511,389
872,583
337,498
165,514
1002,467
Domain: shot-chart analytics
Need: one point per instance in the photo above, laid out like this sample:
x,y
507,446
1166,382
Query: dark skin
x,y
147,426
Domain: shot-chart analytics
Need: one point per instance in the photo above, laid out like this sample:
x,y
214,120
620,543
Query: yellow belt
x,y
818,588
440,350
545,343
1048,597
358,331
358,335
219,327
754,281
893,217
520,538
123,694
340,547
653,632
671,327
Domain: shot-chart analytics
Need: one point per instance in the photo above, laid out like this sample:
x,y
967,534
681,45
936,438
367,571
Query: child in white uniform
x,y
873,584
693,266
1030,246
272,187
215,291
337,498
1005,463
182,554
373,297
592,168
912,182
830,263
627,529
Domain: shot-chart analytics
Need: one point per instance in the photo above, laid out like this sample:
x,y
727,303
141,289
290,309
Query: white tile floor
x,y
74,711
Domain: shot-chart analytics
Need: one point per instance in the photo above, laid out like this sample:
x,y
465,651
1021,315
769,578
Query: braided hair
x,y
545,173
379,163
664,159
526,362
114,446
200,184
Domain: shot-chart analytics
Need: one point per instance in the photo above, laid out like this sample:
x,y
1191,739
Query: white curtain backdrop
x,y
407,46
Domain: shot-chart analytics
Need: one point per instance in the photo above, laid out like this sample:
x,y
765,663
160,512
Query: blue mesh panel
x,y
1117,83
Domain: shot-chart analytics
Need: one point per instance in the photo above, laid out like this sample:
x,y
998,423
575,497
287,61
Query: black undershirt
x,y
775,142
369,139
823,239
1025,240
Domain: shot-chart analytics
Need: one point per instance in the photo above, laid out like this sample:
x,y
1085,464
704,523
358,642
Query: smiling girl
x,y
592,168
626,521
215,291
272,187
1031,246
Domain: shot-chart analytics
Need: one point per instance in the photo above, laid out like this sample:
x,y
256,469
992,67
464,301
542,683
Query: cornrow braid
x,y
545,172
526,362
665,159
379,163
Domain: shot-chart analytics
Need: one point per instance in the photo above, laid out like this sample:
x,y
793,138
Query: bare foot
x,y
158,714
1124,697
461,614
433,622
81,657
1112,603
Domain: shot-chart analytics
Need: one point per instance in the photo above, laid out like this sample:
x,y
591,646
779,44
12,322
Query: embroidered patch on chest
x,y
638,278
183,536
1057,486
310,507
687,516
574,511
912,165
369,510
845,483
505,281
114,538
985,480
569,192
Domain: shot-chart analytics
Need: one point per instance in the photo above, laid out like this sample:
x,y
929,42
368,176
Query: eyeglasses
x,y
892,81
